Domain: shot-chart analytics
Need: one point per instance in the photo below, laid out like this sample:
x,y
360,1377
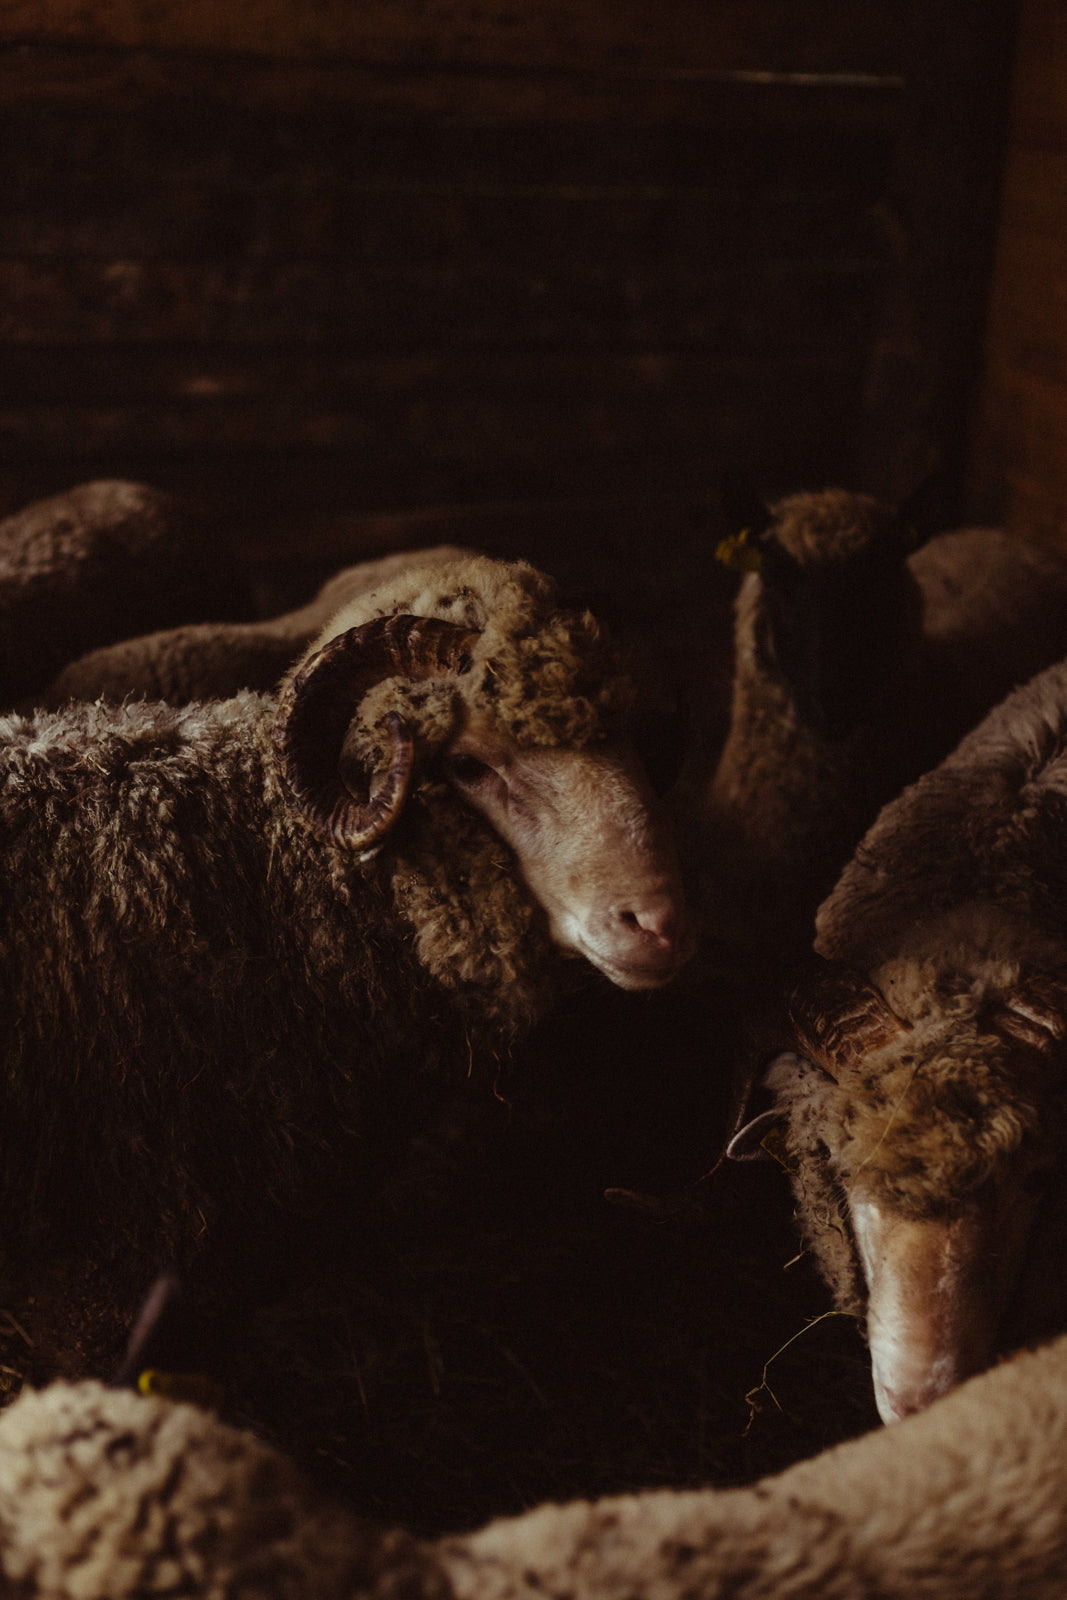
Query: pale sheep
x,y
105,1495
230,984
966,1502
925,1094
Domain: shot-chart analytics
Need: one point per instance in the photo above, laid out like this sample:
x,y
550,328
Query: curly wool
x,y
551,676
829,525
955,899
963,1502
180,919
260,1020
105,1495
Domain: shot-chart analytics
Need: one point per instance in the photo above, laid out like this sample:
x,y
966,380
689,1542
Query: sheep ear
x,y
928,510
760,1135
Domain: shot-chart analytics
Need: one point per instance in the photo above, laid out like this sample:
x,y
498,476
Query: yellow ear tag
x,y
776,1144
737,554
191,1387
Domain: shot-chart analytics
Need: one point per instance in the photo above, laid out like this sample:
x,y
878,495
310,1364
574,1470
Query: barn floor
x,y
496,1332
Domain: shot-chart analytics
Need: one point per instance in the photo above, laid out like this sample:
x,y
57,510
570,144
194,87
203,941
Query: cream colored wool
x,y
967,1501
105,1495
108,1496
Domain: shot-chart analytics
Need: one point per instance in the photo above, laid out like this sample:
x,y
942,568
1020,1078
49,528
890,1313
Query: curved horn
x,y
839,1016
317,706
1034,1013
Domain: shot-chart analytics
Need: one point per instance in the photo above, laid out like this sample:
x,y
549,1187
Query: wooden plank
x,y
501,408
1028,308
340,308
103,163
489,93
1024,426
1018,471
856,35
1037,116
1035,191
610,429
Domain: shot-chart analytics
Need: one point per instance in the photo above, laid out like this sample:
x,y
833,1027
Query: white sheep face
x,y
938,1288
592,847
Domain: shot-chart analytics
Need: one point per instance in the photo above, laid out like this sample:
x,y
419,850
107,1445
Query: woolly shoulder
x,y
984,826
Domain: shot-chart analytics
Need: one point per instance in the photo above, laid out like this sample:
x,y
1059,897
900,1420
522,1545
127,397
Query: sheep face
x,y
591,845
521,705
938,1288
922,1144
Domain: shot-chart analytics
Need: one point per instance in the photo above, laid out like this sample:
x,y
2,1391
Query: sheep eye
x,y
468,769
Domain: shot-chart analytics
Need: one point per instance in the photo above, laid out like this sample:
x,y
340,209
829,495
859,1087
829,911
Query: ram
x,y
246,943
925,1093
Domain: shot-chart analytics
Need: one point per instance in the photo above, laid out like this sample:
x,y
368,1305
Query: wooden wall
x,y
1019,465
353,273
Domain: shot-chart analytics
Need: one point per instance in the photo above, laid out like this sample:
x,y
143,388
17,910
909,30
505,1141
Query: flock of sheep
x,y
274,889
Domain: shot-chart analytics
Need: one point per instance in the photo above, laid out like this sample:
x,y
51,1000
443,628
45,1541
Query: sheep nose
x,y
660,930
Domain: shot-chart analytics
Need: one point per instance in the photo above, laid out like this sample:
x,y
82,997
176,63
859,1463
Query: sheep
x,y
860,661
966,1502
214,660
924,1089
88,566
105,1494
230,985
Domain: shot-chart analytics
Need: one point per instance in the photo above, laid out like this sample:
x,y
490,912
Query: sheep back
x,y
105,1495
93,565
214,660
254,1018
964,1501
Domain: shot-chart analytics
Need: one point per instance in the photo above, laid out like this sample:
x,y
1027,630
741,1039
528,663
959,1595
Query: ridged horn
x,y
839,1016
316,708
1034,1013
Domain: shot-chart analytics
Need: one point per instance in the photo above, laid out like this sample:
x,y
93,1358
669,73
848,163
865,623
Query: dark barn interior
x,y
535,278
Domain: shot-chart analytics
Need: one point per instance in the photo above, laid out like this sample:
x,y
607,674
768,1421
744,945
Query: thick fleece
x,y
953,905
105,1495
859,662
214,1019
966,1502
